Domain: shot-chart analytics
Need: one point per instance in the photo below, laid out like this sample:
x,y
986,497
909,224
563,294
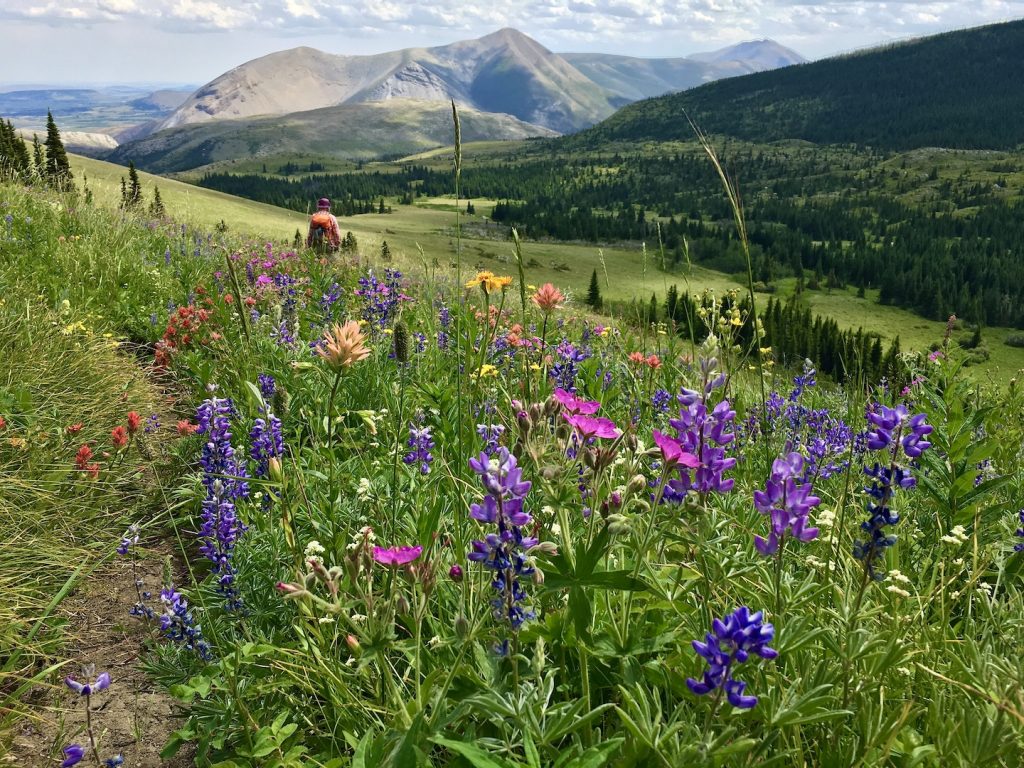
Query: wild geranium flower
x,y
101,683
548,298
343,346
593,426
672,453
119,437
573,405
787,502
134,422
731,642
396,556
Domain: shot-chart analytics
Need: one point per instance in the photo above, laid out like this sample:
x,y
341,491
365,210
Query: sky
x,y
194,41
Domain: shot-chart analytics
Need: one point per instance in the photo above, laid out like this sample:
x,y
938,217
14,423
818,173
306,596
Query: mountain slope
x,y
959,89
631,78
504,72
357,131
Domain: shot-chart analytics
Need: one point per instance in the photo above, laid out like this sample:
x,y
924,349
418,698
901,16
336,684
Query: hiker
x,y
324,231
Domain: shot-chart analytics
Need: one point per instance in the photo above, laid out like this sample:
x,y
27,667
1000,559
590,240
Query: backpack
x,y
323,232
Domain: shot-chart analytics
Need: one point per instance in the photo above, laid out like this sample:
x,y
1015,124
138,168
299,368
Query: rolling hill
x,y
958,90
356,131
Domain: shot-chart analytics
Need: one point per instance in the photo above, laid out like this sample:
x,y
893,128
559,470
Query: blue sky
x,y
193,41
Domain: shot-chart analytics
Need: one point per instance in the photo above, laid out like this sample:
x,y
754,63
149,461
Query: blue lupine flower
x,y
504,551
660,400
73,754
179,626
381,298
420,443
267,443
731,642
1019,547
566,369
490,434
267,386
893,428
224,480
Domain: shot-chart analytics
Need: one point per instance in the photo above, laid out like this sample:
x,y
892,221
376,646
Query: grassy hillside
x,y
957,89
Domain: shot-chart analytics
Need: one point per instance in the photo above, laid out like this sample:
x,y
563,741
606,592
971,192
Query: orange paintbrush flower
x,y
548,298
343,345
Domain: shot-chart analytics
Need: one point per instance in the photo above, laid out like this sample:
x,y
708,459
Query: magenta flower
x,y
593,426
396,555
574,405
672,453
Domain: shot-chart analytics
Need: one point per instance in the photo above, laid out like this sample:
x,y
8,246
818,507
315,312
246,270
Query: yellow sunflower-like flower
x,y
480,279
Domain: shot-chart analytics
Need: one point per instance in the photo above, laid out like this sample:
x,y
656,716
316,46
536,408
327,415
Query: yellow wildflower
x,y
480,279
487,370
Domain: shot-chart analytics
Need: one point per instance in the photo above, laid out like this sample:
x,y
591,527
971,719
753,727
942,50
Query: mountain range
x,y
527,90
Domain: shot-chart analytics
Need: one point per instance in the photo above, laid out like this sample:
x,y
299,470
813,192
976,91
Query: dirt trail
x,y
133,717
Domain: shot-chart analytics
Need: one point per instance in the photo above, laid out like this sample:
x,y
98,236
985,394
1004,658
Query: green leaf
x,y
476,756
596,756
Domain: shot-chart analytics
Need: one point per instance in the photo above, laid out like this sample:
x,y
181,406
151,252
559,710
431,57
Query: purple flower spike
x,y
731,641
788,504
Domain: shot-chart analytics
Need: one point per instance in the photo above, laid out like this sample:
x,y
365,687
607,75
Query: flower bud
x,y
353,644
524,423
536,413
462,627
636,484
401,340
402,605
538,577
552,406
455,573
275,470
545,547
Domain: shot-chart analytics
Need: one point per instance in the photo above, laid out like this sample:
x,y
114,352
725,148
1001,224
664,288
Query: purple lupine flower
x,y
224,480
114,762
660,400
328,300
444,317
420,443
490,434
381,298
267,386
504,551
803,381
267,443
101,683
703,434
73,754
894,429
731,642
566,369
1019,547
152,424
179,626
787,502
284,336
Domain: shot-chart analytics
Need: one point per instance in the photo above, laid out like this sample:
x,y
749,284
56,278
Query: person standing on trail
x,y
324,230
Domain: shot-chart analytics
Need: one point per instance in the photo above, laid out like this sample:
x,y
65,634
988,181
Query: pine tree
x,y
58,168
156,208
385,251
297,241
134,192
380,208
38,159
594,292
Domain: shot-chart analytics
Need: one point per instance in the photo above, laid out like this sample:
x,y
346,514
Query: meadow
x,y
423,513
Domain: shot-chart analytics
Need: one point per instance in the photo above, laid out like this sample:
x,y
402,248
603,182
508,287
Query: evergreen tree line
x,y
47,161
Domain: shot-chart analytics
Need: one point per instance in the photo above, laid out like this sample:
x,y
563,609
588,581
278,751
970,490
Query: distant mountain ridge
x,y
958,90
631,78
527,90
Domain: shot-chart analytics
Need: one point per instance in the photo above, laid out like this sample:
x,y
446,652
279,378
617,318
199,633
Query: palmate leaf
x,y
812,706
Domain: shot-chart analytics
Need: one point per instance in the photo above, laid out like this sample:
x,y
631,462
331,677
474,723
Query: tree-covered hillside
x,y
959,89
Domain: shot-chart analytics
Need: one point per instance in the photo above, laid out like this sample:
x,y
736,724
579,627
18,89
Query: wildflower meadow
x,y
416,515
